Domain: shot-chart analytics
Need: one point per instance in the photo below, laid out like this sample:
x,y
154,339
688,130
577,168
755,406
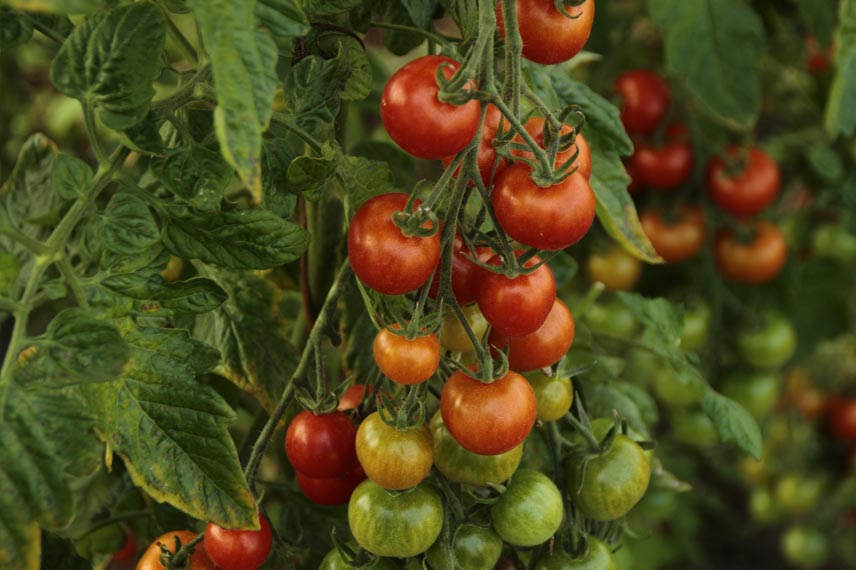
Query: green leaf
x,y
198,295
329,7
354,72
57,6
734,424
144,137
9,269
244,63
15,28
840,116
71,176
715,46
363,179
250,333
602,398
196,175
128,226
311,95
277,154
110,61
819,18
309,175
240,239
413,13
284,18
465,15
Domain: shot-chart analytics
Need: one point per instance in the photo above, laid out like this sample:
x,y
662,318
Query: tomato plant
x,y
234,549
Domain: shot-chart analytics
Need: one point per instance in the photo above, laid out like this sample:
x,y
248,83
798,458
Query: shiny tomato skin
x,y
465,273
398,525
530,511
475,548
334,490
238,549
615,268
321,446
580,151
749,191
675,240
394,459
542,348
199,560
488,419
516,307
417,120
486,153
406,361
755,262
665,167
548,35
597,556
553,394
550,218
460,465
384,258
645,98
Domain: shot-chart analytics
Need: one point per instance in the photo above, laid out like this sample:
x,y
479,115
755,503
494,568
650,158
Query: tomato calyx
x,y
179,557
563,5
352,554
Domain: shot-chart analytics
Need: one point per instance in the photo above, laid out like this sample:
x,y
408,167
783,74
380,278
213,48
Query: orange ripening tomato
x,y
753,262
406,361
675,239
151,557
545,347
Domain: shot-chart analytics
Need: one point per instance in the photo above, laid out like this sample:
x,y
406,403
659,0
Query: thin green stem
x,y
92,133
67,271
180,39
282,120
440,39
513,56
33,245
52,34
184,95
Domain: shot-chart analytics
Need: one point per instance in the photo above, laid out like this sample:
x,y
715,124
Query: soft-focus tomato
x,y
238,549
612,318
579,151
417,120
841,418
615,268
754,262
199,560
125,555
548,35
665,167
748,191
675,238
832,240
797,494
596,557
406,361
474,547
805,547
757,392
486,157
693,428
518,306
695,327
321,446
818,60
353,397
676,390
553,394
769,343
384,258
803,395
645,99
488,419
530,511
452,334
394,459
542,348
334,490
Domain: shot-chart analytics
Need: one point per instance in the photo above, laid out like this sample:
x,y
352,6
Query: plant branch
x,y
67,271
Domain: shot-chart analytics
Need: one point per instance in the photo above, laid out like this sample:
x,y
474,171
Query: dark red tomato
x,y
125,555
321,446
406,361
841,418
199,560
675,238
382,257
332,491
353,397
549,218
580,148
545,347
756,261
417,120
486,158
745,192
238,549
645,98
465,273
818,60
548,35
488,419
668,166
517,307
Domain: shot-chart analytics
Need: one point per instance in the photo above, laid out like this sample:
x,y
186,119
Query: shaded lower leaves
x,y
128,226
197,175
840,112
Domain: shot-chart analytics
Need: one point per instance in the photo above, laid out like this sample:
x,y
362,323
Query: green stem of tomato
x,y
513,55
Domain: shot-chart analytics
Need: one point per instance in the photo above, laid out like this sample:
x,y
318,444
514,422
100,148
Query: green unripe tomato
x,y
596,557
757,392
696,325
835,242
553,395
104,540
762,507
656,506
694,428
452,334
769,345
677,391
475,548
805,547
530,511
796,494
333,561
611,318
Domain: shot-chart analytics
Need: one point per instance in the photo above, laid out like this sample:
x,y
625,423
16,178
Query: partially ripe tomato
x,y
542,348
747,191
615,268
321,446
199,560
675,237
394,459
580,151
516,307
548,35
753,262
384,258
645,100
452,334
334,490
238,549
353,397
486,157
417,120
406,361
488,419
553,394
665,167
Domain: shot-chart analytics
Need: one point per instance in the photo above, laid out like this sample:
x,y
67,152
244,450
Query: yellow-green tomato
x,y
530,511
694,428
334,561
452,334
553,395
676,390
394,459
805,547
796,494
696,325
474,548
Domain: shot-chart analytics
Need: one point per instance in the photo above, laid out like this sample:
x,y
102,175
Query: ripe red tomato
x,y
321,446
394,459
817,60
756,261
841,417
382,257
516,307
238,549
417,120
465,273
125,555
548,35
406,361
486,153
549,218
645,98
745,192
334,490
580,148
675,239
542,348
199,560
668,166
488,419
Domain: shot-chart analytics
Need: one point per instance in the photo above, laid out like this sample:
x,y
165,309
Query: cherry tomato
x,y
693,428
465,273
745,192
805,547
803,395
758,392
553,394
334,490
753,262
615,268
406,361
797,494
321,446
474,548
488,419
417,120
611,318
548,218
832,240
676,391
676,238
645,98
125,555
394,459
580,150
542,348
762,507
769,344
597,556
238,549
333,561
353,397
199,560
458,464
384,258
695,327
489,167
452,334
548,35
518,306
530,511
665,167
398,525
841,418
